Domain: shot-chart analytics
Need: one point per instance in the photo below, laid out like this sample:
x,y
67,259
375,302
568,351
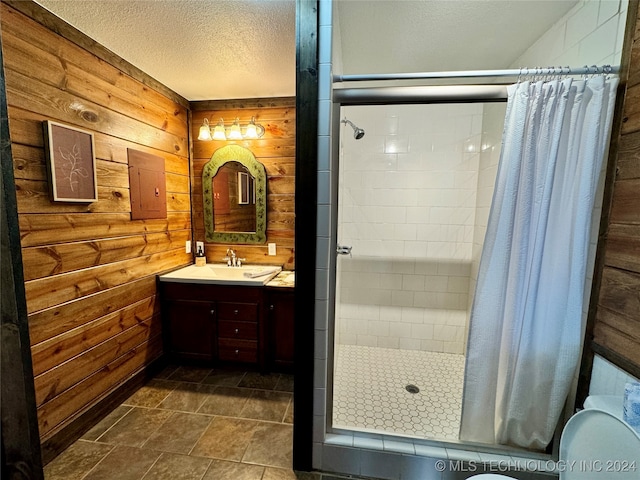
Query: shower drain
x,y
412,388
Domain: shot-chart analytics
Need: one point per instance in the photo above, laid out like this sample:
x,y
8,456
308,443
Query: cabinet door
x,y
281,324
191,329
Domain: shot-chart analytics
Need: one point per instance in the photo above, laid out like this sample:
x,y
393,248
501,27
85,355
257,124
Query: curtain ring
x,y
519,76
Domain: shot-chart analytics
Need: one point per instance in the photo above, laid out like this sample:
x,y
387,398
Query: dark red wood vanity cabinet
x,y
214,324
190,329
222,324
280,317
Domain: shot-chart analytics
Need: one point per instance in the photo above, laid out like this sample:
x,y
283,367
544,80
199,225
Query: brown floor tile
x,y
266,405
179,433
166,372
258,380
178,467
225,438
187,397
271,445
124,463
136,426
278,474
226,401
190,374
285,383
224,470
106,423
158,426
151,394
288,416
228,377
76,461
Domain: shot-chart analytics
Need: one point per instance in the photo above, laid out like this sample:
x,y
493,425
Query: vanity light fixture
x,y
234,132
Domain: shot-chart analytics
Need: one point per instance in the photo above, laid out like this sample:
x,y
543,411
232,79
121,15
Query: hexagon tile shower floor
x,y
372,391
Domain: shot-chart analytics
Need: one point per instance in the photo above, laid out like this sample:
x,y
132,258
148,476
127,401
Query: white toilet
x,y
595,444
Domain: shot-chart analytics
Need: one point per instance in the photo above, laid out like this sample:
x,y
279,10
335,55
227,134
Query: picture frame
x,y
71,163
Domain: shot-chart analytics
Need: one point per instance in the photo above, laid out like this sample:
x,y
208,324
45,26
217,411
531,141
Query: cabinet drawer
x,y
231,350
243,312
245,330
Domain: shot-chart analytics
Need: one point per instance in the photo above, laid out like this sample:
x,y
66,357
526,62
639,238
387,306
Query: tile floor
x,y
190,424
370,394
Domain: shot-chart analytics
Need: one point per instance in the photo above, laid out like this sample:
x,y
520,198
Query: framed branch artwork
x,y
71,163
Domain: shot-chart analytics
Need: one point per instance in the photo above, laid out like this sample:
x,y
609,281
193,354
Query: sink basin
x,y
217,274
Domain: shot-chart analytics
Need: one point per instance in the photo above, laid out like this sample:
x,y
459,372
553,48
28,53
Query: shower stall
x,y
415,185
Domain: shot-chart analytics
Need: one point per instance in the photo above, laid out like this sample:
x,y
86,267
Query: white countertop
x,y
219,274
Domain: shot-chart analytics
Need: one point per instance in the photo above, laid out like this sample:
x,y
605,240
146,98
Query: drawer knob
x,y
237,352
213,312
235,312
237,331
271,307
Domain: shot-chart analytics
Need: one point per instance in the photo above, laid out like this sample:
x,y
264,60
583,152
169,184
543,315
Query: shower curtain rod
x,y
514,72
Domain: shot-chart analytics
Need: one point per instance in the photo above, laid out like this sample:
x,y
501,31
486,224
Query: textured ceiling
x,y
223,49
201,49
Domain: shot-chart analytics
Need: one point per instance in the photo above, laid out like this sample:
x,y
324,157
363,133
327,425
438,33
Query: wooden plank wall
x,y
275,150
616,329
89,270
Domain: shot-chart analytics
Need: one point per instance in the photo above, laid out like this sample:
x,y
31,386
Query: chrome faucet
x,y
232,259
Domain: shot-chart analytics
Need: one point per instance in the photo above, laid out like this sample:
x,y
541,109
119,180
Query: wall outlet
x,y
187,246
272,249
199,246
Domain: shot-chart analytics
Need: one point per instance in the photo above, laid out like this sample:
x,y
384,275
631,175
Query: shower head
x,y
358,133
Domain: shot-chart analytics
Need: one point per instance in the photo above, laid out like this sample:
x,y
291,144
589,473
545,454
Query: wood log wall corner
x,y
89,269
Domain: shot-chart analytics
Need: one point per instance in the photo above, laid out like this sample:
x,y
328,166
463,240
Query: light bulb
x,y
205,131
234,131
218,131
251,131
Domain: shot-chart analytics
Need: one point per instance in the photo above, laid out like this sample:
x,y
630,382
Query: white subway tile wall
x,y
590,33
492,126
408,207
607,379
324,229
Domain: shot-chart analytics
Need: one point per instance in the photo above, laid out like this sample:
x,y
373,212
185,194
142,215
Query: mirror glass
x,y
234,191
234,199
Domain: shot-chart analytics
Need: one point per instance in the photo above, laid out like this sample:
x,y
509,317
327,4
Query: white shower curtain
x,y
525,327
